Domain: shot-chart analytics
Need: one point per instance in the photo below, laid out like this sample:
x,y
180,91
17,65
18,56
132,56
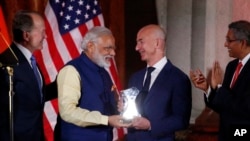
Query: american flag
x,y
66,23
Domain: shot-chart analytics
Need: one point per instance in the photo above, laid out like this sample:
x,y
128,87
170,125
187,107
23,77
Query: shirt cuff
x,y
104,120
207,92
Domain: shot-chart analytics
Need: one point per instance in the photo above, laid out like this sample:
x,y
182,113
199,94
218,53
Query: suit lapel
x,y
163,76
24,69
243,74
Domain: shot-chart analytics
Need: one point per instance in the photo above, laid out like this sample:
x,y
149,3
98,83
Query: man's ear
x,y
26,35
159,43
243,43
90,46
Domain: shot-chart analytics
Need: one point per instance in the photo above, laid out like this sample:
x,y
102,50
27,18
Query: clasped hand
x,y
201,82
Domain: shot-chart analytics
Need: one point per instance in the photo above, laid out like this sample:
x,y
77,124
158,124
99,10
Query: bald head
x,y
153,30
151,43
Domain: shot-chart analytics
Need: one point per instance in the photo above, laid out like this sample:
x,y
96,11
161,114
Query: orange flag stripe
x,y
4,36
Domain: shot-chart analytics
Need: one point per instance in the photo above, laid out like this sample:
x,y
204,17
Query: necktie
x,y
37,74
236,74
143,93
147,80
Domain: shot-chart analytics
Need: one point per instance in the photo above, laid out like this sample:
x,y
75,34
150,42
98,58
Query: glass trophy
x,y
129,106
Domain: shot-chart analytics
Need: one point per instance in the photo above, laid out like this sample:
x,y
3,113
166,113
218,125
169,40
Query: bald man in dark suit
x,y
165,106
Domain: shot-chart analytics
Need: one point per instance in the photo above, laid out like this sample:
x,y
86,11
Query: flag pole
x,y
11,94
10,71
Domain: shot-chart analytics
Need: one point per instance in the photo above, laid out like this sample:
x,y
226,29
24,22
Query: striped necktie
x,y
37,74
236,74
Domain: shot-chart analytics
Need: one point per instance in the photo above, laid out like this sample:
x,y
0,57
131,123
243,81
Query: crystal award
x,y
129,110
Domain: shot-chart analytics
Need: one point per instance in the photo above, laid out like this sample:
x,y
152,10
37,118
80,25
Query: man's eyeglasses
x,y
232,40
109,49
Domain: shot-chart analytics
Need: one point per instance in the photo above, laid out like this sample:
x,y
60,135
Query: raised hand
x,y
217,76
198,79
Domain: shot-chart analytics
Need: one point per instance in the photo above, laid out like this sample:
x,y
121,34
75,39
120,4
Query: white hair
x,y
93,34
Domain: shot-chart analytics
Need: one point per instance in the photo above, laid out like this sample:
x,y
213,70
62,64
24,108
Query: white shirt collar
x,y
160,64
245,59
25,52
158,67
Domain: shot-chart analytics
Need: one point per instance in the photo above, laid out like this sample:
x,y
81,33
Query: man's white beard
x,y
100,60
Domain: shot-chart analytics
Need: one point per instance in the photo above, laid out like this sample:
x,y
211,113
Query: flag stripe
x,y
56,57
114,72
83,29
49,69
96,21
51,113
49,134
70,45
76,33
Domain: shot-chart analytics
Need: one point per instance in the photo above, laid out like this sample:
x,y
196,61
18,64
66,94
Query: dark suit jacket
x,y
167,105
27,103
233,105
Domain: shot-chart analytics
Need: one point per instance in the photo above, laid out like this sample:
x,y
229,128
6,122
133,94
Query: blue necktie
x,y
37,74
145,87
144,92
